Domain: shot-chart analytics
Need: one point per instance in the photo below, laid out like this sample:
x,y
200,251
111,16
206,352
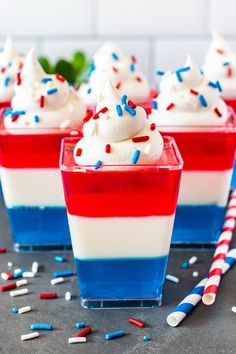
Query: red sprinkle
x,y
41,102
108,148
10,276
132,104
139,139
220,51
21,65
115,69
103,110
229,72
170,106
136,322
15,117
78,152
148,110
18,79
138,79
194,92
3,250
118,85
133,58
48,296
88,117
3,70
60,78
153,126
84,332
217,112
8,287
154,94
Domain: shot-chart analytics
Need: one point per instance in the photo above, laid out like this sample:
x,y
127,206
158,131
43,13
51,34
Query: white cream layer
x,y
120,237
32,187
205,187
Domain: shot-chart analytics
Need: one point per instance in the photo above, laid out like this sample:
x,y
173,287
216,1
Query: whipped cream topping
x,y
119,133
11,63
187,98
109,63
220,64
42,100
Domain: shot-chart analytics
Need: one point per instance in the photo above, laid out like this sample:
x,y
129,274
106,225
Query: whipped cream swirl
x,y
11,63
109,63
220,64
187,98
43,101
119,133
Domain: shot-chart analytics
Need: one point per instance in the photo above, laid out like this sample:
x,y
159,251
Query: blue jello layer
x,y
34,226
121,279
198,225
233,181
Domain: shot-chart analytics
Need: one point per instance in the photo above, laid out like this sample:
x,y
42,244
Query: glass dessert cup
x,y
32,187
208,153
121,220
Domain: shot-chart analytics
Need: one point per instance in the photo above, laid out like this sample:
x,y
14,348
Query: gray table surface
x,y
209,329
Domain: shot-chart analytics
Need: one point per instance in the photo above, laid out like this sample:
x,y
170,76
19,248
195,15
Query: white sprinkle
x,y
17,270
233,309
19,292
28,275
4,276
29,336
195,274
21,282
172,278
35,267
65,124
10,265
68,296
24,309
77,340
57,280
192,260
74,132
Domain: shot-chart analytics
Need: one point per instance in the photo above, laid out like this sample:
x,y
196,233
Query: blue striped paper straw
x,y
195,295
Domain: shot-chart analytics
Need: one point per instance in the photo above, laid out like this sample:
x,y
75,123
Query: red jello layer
x,y
109,192
210,150
231,102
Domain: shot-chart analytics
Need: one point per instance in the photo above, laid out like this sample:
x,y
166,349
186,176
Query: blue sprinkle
x,y
181,70
132,67
219,86
135,157
64,273
19,274
155,104
46,326
19,113
14,309
201,71
123,99
51,91
7,112
97,164
59,259
226,63
9,64
130,110
185,265
89,90
202,100
114,56
36,119
119,110
146,338
92,67
80,325
116,334
160,73
215,85
46,79
6,81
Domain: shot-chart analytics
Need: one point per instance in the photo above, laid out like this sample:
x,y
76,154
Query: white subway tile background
x,y
159,32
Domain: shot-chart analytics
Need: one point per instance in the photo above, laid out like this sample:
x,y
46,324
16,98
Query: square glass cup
x,y
121,219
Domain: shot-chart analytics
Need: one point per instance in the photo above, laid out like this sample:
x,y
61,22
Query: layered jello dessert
x,y
121,183
11,63
109,63
44,110
220,64
190,109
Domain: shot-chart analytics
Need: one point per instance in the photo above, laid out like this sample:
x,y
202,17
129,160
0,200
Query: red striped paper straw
x,y
222,247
